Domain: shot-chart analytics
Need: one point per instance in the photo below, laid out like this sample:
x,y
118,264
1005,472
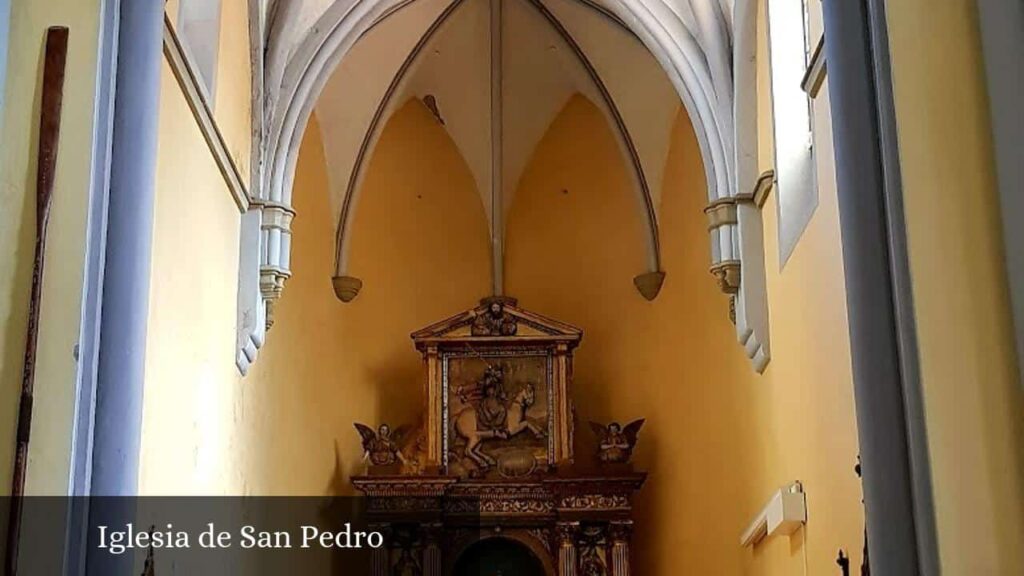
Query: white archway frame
x,y
715,95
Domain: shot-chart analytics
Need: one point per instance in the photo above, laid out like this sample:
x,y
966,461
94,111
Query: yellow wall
x,y
718,439
574,244
191,381
973,399
56,371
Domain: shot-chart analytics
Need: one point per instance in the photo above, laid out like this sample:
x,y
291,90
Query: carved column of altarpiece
x,y
494,456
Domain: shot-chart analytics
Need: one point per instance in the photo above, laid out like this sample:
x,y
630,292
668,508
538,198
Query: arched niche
x,y
519,550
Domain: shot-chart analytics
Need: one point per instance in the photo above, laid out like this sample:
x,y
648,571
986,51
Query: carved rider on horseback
x,y
491,414
491,410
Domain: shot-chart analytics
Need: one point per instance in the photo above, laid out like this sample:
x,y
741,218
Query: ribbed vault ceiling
x,y
341,58
440,52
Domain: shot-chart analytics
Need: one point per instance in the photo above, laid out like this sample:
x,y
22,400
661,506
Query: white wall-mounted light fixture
x,y
784,514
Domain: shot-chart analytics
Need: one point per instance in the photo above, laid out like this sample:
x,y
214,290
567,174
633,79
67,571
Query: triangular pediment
x,y
500,318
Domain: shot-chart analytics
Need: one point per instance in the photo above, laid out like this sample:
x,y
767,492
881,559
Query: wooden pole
x,y
49,135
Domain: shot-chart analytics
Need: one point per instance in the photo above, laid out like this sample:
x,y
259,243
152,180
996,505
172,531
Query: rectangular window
x,y
797,191
199,32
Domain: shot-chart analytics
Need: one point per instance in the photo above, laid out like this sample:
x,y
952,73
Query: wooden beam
x,y
49,138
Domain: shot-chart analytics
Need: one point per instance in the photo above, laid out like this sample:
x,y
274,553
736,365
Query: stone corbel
x,y
725,255
275,244
263,270
737,241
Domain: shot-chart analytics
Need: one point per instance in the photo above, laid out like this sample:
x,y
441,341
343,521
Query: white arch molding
x,y
692,40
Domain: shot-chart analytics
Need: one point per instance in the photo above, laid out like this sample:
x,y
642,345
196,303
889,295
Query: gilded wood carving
x,y
498,390
497,453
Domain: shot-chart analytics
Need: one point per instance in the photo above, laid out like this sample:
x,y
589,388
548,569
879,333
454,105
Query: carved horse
x,y
466,425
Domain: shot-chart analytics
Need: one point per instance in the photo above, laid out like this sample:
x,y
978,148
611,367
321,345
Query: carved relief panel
x,y
497,390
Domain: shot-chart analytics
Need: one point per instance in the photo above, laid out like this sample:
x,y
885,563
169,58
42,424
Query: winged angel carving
x,y
383,447
615,443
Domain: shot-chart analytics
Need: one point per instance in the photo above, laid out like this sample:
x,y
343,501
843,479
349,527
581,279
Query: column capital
x,y
566,533
621,531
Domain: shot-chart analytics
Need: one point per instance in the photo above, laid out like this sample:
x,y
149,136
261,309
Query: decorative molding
x,y
722,225
727,274
275,237
275,247
594,502
194,95
721,212
784,514
817,69
408,486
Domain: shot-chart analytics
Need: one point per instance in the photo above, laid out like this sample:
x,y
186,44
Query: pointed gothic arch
x,y
696,47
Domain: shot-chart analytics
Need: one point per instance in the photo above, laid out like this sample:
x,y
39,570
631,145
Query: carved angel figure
x,y
382,447
615,443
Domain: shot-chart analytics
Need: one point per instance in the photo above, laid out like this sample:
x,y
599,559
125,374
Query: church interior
x,y
591,272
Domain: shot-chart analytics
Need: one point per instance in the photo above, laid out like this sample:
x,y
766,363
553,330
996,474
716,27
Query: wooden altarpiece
x,y
496,456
